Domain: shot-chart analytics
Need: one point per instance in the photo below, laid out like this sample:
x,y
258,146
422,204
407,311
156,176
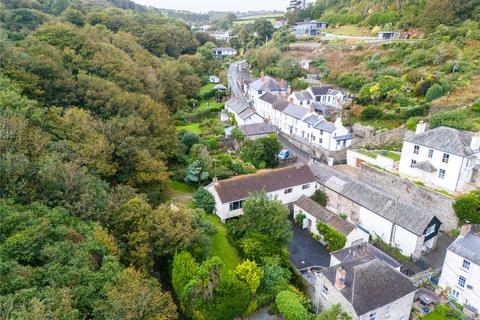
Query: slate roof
x,y
302,95
281,105
239,188
236,105
269,98
426,166
364,252
320,91
406,215
247,113
257,129
267,83
324,215
445,139
325,126
322,108
371,285
467,247
311,120
344,137
295,111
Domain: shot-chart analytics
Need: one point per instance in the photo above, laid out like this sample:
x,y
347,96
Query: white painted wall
x,y
406,241
456,169
452,270
222,210
375,224
381,161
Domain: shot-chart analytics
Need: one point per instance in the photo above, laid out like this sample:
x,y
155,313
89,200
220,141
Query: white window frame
x,y
416,149
306,186
430,153
412,163
466,264
288,190
462,281
445,158
442,173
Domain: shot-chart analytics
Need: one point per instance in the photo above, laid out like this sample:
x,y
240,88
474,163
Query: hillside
x,y
436,70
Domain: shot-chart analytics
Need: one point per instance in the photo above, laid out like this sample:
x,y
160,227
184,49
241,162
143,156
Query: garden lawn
x,y
434,316
206,89
221,247
210,104
181,193
192,127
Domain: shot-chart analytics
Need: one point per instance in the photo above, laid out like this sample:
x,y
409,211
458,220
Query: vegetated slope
x,y
86,138
401,80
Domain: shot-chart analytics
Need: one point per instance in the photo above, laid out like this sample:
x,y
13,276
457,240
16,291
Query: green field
x,y
221,247
193,127
251,19
434,316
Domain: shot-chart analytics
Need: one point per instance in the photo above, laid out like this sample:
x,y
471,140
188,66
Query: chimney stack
x,y
290,100
262,75
421,127
340,278
475,144
465,229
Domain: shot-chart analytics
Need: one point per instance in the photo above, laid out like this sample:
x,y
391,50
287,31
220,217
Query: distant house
x,y
266,84
220,35
223,52
310,28
331,136
305,64
366,290
319,93
214,79
315,213
461,269
257,130
442,157
329,96
243,113
389,35
285,184
411,229
303,98
242,65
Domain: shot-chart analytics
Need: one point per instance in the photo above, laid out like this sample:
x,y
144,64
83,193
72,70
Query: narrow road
x,y
235,77
302,156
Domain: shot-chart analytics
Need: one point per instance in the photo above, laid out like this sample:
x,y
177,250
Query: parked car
x,y
284,154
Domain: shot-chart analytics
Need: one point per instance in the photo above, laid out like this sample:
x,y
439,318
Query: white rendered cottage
x,y
461,269
442,157
266,84
242,112
315,213
331,136
285,184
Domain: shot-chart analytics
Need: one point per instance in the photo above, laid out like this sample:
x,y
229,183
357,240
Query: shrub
x,y
434,92
467,207
290,305
204,200
250,273
370,113
334,239
381,18
184,268
353,81
320,197
299,218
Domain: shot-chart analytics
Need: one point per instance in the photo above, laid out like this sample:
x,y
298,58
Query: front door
x,y
306,223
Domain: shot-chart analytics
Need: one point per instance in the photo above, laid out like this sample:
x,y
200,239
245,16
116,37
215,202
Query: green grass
x,y
434,316
210,104
182,187
181,193
221,247
206,89
389,154
350,30
368,153
192,127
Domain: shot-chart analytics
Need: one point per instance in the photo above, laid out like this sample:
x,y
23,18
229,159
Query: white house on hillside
x,y
315,213
302,98
329,96
331,136
442,157
242,112
367,289
266,84
223,52
285,184
411,229
461,269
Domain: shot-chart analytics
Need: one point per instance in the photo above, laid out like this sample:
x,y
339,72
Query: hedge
x,y
334,239
290,306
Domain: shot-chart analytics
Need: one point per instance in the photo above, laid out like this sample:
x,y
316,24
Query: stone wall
x,y
320,154
434,202
368,137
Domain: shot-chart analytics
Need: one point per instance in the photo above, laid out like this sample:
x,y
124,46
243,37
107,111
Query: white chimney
x,y
475,144
421,127
338,122
340,278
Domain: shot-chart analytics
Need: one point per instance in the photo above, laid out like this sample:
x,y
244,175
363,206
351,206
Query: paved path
x,y
305,251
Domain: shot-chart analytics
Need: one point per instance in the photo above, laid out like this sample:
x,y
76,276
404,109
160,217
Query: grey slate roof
x,y
269,98
267,83
467,247
364,252
325,126
322,108
426,166
247,113
236,105
371,285
311,120
406,215
320,91
445,139
295,111
281,105
240,187
302,95
257,129
344,137
324,215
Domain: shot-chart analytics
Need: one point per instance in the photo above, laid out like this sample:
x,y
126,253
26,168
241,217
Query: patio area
x,y
305,251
